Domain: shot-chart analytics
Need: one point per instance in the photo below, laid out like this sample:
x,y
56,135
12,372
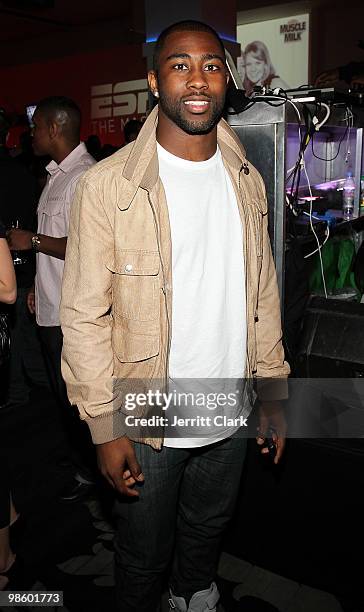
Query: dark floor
x,y
296,540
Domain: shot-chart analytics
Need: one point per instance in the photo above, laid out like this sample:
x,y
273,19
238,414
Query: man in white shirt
x,y
179,290
56,133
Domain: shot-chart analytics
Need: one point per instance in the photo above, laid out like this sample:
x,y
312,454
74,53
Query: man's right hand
x,y
118,463
31,301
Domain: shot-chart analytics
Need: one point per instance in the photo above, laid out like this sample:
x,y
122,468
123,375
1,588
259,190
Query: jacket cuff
x,y
106,428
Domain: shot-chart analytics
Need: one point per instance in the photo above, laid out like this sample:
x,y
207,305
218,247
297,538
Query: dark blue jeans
x,y
184,506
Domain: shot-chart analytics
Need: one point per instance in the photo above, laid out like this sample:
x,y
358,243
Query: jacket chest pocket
x,y
135,285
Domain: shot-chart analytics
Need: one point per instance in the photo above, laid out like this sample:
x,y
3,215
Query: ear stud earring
x,y
156,94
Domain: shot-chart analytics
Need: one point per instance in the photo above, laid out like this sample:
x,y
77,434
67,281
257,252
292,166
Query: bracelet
x,y
35,240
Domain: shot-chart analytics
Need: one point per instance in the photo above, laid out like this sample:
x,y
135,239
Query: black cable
x,y
266,99
230,113
296,173
338,150
275,105
305,139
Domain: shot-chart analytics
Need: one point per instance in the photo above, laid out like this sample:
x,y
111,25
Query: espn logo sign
x,y
119,99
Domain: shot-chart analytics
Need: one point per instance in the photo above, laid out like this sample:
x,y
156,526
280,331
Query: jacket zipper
x,y
164,292
243,217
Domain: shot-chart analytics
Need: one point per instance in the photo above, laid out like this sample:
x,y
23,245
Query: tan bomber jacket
x,y
116,307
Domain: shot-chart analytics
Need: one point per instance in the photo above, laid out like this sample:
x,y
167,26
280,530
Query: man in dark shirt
x,y
18,201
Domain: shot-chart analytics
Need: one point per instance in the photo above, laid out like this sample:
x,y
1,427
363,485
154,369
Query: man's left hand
x,y
272,423
20,240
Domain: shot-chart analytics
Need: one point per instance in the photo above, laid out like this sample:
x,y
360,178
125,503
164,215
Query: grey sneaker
x,y
202,601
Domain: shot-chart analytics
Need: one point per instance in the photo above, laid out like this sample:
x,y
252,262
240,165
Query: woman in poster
x,y
258,68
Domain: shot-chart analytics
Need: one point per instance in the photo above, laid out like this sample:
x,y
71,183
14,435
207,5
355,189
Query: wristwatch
x,y
35,240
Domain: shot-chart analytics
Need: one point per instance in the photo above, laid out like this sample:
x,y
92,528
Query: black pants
x,y
26,366
80,447
52,340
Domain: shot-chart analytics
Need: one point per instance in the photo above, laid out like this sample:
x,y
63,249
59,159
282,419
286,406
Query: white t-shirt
x,y
208,278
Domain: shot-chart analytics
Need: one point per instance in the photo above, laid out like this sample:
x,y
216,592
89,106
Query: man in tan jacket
x,y
170,285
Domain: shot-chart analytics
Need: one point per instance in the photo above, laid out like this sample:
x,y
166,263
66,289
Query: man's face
x,y
191,81
41,134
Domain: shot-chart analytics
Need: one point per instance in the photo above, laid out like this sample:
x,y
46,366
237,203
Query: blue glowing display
x,y
152,39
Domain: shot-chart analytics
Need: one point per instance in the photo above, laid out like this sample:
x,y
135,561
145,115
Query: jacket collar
x,y
142,170
141,167
231,148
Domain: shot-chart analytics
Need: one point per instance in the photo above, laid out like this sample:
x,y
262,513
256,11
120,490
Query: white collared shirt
x,y
53,220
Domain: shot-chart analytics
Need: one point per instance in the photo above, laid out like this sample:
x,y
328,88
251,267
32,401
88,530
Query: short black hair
x,y
182,26
64,112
